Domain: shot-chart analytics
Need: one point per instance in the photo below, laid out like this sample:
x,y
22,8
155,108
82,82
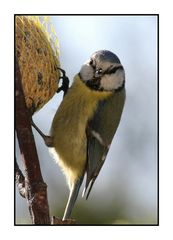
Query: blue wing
x,y
100,132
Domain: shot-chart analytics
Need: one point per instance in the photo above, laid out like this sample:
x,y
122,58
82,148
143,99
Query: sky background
x,y
126,189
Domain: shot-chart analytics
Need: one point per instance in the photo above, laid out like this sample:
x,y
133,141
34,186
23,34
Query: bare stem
x,y
35,189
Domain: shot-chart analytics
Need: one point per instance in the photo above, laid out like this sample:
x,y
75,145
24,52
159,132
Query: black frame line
x,y
158,193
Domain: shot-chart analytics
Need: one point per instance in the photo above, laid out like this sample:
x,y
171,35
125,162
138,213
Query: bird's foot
x,y
65,82
47,139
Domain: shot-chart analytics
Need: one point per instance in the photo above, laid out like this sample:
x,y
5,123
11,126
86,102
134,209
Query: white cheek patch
x,y
112,81
86,72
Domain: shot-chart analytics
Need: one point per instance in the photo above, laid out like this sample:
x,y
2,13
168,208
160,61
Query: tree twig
x,y
20,180
58,221
35,188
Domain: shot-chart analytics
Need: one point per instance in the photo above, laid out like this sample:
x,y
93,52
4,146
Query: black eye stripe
x,y
112,70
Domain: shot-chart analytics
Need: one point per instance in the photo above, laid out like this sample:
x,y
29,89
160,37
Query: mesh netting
x,y
37,50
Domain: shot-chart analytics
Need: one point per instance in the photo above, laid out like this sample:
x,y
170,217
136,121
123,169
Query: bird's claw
x,y
65,82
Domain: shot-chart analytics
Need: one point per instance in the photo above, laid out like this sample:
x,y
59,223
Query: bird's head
x,y
103,72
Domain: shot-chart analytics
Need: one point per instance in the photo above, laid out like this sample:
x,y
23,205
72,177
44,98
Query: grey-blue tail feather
x,y
88,188
72,198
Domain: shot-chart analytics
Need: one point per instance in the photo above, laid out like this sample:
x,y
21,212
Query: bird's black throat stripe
x,y
94,84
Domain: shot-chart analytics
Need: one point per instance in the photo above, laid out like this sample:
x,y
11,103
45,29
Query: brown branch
x,y
35,188
20,180
58,221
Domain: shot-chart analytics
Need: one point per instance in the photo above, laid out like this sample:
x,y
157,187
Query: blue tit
x,y
86,121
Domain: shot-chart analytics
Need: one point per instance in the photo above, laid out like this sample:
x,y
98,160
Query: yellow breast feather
x,y
69,141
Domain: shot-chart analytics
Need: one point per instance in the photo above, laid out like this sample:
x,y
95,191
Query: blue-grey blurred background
x,y
126,190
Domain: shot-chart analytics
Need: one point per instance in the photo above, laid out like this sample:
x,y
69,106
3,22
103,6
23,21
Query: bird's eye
x,y
99,71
